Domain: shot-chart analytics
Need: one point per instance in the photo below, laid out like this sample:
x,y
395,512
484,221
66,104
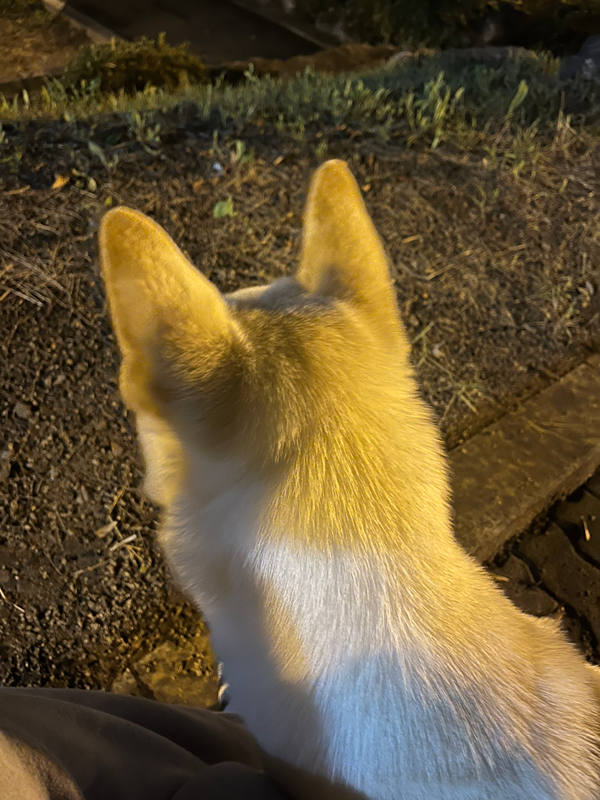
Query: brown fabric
x,y
28,774
61,744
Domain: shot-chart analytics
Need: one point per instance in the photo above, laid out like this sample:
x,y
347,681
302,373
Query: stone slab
x,y
565,574
512,471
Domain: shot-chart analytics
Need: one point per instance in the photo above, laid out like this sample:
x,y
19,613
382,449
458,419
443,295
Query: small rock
x,y
5,457
586,64
515,569
533,600
519,586
593,485
116,449
126,684
22,411
570,68
591,48
579,518
567,576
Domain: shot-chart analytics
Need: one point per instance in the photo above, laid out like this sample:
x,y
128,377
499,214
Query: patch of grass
x,y
425,99
129,67
514,118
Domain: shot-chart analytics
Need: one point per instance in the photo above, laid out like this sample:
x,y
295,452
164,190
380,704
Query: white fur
x,y
370,666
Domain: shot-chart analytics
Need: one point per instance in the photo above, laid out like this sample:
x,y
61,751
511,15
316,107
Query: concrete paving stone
x,y
580,520
564,573
531,599
518,584
593,485
510,473
515,570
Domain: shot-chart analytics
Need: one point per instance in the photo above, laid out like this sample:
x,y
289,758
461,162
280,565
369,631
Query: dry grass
x,y
494,247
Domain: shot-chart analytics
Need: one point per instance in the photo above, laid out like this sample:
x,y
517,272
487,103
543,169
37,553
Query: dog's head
x,y
265,375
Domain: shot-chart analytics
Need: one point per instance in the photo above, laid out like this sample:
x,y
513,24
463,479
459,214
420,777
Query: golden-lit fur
x,y
306,511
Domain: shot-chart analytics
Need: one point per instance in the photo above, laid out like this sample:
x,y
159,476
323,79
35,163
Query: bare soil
x,y
497,281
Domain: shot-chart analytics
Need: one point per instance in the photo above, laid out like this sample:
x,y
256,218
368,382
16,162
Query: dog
x,y
306,511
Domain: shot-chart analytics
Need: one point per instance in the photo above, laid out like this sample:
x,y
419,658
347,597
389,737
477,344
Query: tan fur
x,y
306,511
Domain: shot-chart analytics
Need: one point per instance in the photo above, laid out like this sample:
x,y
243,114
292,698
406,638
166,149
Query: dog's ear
x,y
161,307
342,255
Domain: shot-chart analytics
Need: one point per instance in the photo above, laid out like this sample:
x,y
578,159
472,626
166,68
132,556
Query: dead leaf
x,y
106,529
61,180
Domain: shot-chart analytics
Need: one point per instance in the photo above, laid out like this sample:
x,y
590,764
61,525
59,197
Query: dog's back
x,y
306,512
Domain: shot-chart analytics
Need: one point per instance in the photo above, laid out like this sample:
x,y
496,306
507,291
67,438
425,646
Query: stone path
x,y
554,569
511,472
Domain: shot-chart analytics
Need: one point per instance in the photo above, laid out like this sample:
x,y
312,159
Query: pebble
x,y
586,64
22,411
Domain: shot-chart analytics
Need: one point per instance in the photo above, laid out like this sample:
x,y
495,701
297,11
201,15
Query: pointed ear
x,y
342,255
160,305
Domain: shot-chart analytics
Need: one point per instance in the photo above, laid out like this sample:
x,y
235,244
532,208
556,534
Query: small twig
x,y
448,407
422,333
26,297
586,530
76,449
117,498
89,569
462,396
106,529
6,600
125,541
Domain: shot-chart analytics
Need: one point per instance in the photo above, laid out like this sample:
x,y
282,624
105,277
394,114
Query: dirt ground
x,y
497,282
35,42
